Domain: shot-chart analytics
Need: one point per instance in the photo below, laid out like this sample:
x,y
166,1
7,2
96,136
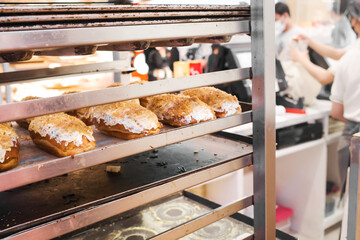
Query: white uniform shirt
x,y
283,42
334,66
346,87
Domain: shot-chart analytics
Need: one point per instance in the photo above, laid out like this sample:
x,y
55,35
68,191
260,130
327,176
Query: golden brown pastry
x,y
222,103
126,120
9,147
84,114
24,123
61,134
135,100
178,110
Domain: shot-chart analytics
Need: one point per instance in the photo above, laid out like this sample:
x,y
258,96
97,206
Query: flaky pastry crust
x,y
9,147
61,134
222,103
24,123
127,120
178,109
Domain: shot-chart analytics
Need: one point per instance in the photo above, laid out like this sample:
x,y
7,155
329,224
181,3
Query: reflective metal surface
x,y
38,107
263,95
43,39
36,9
205,220
96,214
70,17
159,216
353,231
47,73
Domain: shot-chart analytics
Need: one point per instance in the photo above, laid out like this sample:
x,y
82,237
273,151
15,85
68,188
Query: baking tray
x,y
112,16
13,19
36,165
159,216
8,10
125,22
44,201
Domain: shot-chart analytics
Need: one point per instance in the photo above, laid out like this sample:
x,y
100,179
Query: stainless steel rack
x,y
43,166
353,231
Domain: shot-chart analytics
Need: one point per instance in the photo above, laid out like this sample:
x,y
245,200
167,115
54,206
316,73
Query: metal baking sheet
x,y
95,36
113,16
43,201
74,70
158,216
86,24
64,103
36,165
117,8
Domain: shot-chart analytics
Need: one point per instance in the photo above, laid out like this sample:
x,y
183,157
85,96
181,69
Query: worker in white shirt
x,y
345,97
324,76
286,31
345,93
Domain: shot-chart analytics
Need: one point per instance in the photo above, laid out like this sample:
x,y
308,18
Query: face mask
x,y
279,27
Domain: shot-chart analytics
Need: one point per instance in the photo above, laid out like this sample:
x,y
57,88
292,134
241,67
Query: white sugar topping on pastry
x,y
133,117
62,128
8,138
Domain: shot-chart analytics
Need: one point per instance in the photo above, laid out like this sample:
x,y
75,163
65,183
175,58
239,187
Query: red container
x,y
195,68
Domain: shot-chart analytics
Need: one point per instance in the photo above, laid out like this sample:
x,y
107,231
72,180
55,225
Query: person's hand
x,y
303,39
298,56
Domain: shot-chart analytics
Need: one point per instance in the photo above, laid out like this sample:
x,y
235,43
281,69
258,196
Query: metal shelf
x,y
45,201
58,38
101,212
37,165
49,73
38,107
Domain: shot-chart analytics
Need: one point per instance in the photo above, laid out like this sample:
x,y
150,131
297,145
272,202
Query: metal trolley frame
x,y
353,231
262,73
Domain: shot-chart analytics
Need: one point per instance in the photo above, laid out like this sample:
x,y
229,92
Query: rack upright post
x,y
263,70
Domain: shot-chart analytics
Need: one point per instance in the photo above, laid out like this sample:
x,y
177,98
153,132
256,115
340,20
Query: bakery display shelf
x,y
63,103
49,73
36,40
151,175
36,165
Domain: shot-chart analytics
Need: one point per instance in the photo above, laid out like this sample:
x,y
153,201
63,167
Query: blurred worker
x,y
286,31
324,76
345,93
342,35
345,97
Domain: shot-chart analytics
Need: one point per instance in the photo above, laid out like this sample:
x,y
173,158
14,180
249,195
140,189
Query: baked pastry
x,y
222,103
135,100
61,134
24,123
9,147
84,114
178,109
126,120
